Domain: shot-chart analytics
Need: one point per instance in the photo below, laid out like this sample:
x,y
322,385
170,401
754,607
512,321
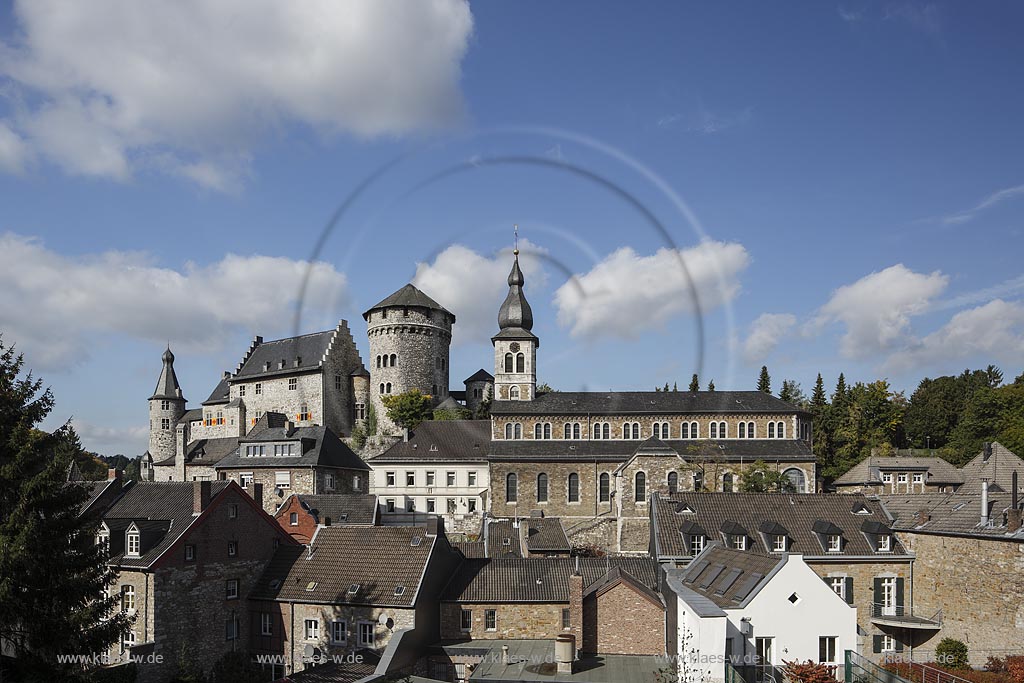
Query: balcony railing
x,y
905,615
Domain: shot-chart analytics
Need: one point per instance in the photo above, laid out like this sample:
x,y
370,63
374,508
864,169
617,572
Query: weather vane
x,y
515,251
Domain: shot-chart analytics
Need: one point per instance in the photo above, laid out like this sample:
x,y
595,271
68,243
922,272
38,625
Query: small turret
x,y
166,408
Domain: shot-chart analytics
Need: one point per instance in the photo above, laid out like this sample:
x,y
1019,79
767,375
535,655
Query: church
x,y
592,459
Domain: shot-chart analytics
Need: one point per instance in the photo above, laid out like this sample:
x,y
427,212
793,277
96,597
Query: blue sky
x,y
841,181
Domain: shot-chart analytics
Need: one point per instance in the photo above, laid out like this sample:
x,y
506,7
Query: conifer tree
x,y
53,572
711,385
694,383
818,399
764,382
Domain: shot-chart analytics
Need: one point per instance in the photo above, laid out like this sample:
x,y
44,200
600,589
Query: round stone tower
x,y
166,407
410,335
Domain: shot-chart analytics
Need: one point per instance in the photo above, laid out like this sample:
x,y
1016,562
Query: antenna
x,y
515,228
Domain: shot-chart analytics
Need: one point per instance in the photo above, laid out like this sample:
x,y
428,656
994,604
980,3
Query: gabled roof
x,y
619,450
320,447
616,576
376,560
502,539
408,296
647,403
998,468
869,471
310,349
221,392
471,549
800,515
340,508
441,441
480,375
163,509
546,534
730,578
539,579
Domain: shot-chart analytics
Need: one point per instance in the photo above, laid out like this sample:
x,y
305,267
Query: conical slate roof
x,y
515,311
408,296
167,386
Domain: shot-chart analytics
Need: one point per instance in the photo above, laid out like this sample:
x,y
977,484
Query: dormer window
x,y
133,543
779,544
738,542
835,543
696,544
266,366
884,543
103,542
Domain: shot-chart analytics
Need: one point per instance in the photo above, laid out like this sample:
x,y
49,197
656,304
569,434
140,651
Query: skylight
x,y
399,590
353,589
416,540
311,586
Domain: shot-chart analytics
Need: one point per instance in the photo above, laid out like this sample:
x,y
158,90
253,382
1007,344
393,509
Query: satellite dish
x,y
383,619
308,651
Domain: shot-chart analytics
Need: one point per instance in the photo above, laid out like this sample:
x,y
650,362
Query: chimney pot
x,y
984,502
113,473
200,496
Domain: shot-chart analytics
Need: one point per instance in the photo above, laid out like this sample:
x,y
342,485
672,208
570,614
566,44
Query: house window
x,y
884,543
827,649
512,488
714,430
232,548
698,481
835,543
410,505
887,477
241,390
410,478
640,488
329,481
739,542
631,430
165,423
604,487
771,430
471,476
491,620
513,393
509,362
387,388
389,505
566,619
542,430
245,479
571,430
231,589
231,629
339,632
727,482
661,430
838,585
901,478
471,504
431,505
449,479
389,478
133,544
190,553
779,544
293,519
127,598
888,643
293,384
357,482
919,478
312,629
696,543
450,505
781,431
513,430
233,511
574,488
128,640
430,478
283,480
266,624
673,482
466,622
220,417
165,405
542,488
367,635
743,430
259,388
304,413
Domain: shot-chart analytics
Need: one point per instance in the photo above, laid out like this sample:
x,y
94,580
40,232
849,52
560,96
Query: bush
x,y
358,437
952,654
808,672
1015,668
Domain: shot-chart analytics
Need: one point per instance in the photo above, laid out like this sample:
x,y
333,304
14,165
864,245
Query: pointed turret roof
x,y
167,386
515,317
409,296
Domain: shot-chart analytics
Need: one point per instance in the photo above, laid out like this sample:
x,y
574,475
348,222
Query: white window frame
x,y
127,598
887,477
888,643
491,616
283,480
696,543
838,585
830,643
835,543
410,478
918,478
739,542
244,479
778,544
471,477
431,477
901,478
311,629
133,544
450,479
389,479
884,543
231,589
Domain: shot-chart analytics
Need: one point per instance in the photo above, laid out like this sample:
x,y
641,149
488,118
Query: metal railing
x,y
861,670
880,610
923,673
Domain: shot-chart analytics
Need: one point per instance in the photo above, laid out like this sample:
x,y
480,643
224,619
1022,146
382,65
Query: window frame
x,y
490,620
334,623
231,589
311,629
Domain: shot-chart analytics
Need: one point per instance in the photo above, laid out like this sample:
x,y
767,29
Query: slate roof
x,y
618,574
997,468
798,513
618,450
95,490
442,441
341,508
729,578
167,386
539,579
408,296
869,471
471,549
320,447
953,514
162,510
192,415
309,347
545,533
377,559
480,375
220,393
646,402
502,539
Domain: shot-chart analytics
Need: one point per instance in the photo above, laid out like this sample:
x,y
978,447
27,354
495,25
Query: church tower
x,y
515,346
166,407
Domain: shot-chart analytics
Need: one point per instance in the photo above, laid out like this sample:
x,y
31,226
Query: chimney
x,y
200,496
987,452
524,539
1014,514
289,427
113,473
576,606
257,494
984,502
1014,491
180,440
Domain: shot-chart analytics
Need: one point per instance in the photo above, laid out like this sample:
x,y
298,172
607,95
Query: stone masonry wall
x,y
623,622
533,621
646,424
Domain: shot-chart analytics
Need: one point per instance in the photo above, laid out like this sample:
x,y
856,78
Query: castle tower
x,y
410,335
515,346
166,407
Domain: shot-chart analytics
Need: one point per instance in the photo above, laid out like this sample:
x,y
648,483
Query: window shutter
x,y
899,594
899,643
878,591
849,590
876,643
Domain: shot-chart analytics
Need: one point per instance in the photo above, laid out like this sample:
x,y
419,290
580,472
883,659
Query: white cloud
x,y
118,85
994,331
626,294
128,441
14,153
53,306
765,334
877,308
473,286
986,203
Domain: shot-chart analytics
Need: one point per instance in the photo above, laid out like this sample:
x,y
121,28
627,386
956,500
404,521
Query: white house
x,y
440,470
756,612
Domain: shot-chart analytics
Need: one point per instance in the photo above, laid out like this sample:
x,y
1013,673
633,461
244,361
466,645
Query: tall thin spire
x,y
167,386
515,312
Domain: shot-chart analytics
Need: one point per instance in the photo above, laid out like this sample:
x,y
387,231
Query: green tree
x,y
453,414
870,415
991,415
820,419
952,654
408,408
675,386
545,388
53,573
711,385
764,382
791,392
483,410
818,398
358,437
760,478
694,383
371,420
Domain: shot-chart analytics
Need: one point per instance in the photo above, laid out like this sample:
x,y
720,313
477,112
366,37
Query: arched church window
x,y
508,362
520,363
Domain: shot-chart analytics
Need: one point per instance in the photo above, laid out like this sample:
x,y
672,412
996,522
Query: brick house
x,y
595,599
846,539
186,555
286,458
300,515
352,588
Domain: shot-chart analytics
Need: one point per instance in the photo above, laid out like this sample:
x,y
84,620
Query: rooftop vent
x,y
399,590
433,448
266,366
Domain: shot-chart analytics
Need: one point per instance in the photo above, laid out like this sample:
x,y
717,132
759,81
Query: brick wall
x,y
306,526
623,622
